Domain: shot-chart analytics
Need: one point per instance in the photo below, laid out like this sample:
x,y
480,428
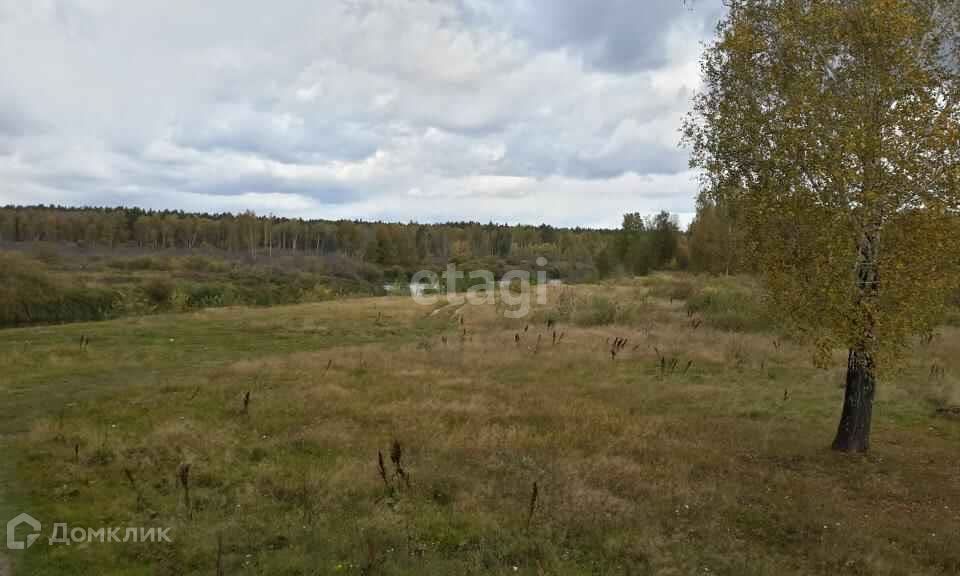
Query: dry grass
x,y
719,465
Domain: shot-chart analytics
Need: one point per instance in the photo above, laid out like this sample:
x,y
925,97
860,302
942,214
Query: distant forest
x,y
60,264
396,250
641,245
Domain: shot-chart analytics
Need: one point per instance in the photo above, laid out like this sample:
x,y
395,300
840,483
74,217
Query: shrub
x,y
26,285
29,295
207,296
141,263
395,274
672,289
599,311
371,273
87,304
730,309
197,263
159,292
46,253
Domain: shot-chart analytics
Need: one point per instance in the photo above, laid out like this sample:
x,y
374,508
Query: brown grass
x,y
559,462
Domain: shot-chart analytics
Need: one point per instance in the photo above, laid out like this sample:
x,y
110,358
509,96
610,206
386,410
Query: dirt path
x,y
5,569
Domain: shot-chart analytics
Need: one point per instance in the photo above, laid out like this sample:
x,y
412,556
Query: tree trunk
x,y
853,434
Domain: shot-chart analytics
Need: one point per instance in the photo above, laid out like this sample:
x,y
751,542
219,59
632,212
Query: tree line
x,y
641,245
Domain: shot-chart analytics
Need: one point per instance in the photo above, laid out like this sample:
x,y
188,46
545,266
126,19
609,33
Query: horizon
x,y
680,220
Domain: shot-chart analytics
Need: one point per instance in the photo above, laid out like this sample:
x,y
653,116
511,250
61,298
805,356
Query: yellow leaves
x,y
828,147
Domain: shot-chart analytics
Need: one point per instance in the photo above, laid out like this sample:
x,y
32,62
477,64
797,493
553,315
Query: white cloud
x,y
390,109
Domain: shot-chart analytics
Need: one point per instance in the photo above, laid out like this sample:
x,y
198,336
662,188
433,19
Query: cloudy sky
x,y
557,111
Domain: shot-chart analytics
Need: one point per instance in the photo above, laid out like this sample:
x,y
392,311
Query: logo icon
x,y
12,542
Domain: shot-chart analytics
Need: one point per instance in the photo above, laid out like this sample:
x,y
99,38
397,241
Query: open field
x,y
701,446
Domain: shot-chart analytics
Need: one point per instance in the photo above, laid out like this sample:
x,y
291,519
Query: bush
x,y
395,275
159,292
371,273
196,263
269,287
207,296
87,304
731,310
140,263
672,289
29,295
46,253
599,311
25,286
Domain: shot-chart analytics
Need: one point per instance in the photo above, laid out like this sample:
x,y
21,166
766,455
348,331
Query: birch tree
x,y
832,127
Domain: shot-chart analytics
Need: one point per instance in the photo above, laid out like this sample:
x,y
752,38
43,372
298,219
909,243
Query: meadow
x,y
652,426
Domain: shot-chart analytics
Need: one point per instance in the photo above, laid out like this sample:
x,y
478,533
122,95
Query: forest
x,y
641,245
70,264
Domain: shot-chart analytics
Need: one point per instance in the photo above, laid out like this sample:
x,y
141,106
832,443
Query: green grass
x,y
44,289
699,468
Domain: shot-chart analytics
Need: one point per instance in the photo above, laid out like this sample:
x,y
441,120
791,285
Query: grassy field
x,y
700,446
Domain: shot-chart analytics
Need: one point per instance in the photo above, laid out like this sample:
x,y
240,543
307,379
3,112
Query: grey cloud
x,y
347,106
616,35
11,124
231,181
14,119
324,193
648,160
307,141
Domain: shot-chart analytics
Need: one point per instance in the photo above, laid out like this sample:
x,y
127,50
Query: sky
x,y
563,112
